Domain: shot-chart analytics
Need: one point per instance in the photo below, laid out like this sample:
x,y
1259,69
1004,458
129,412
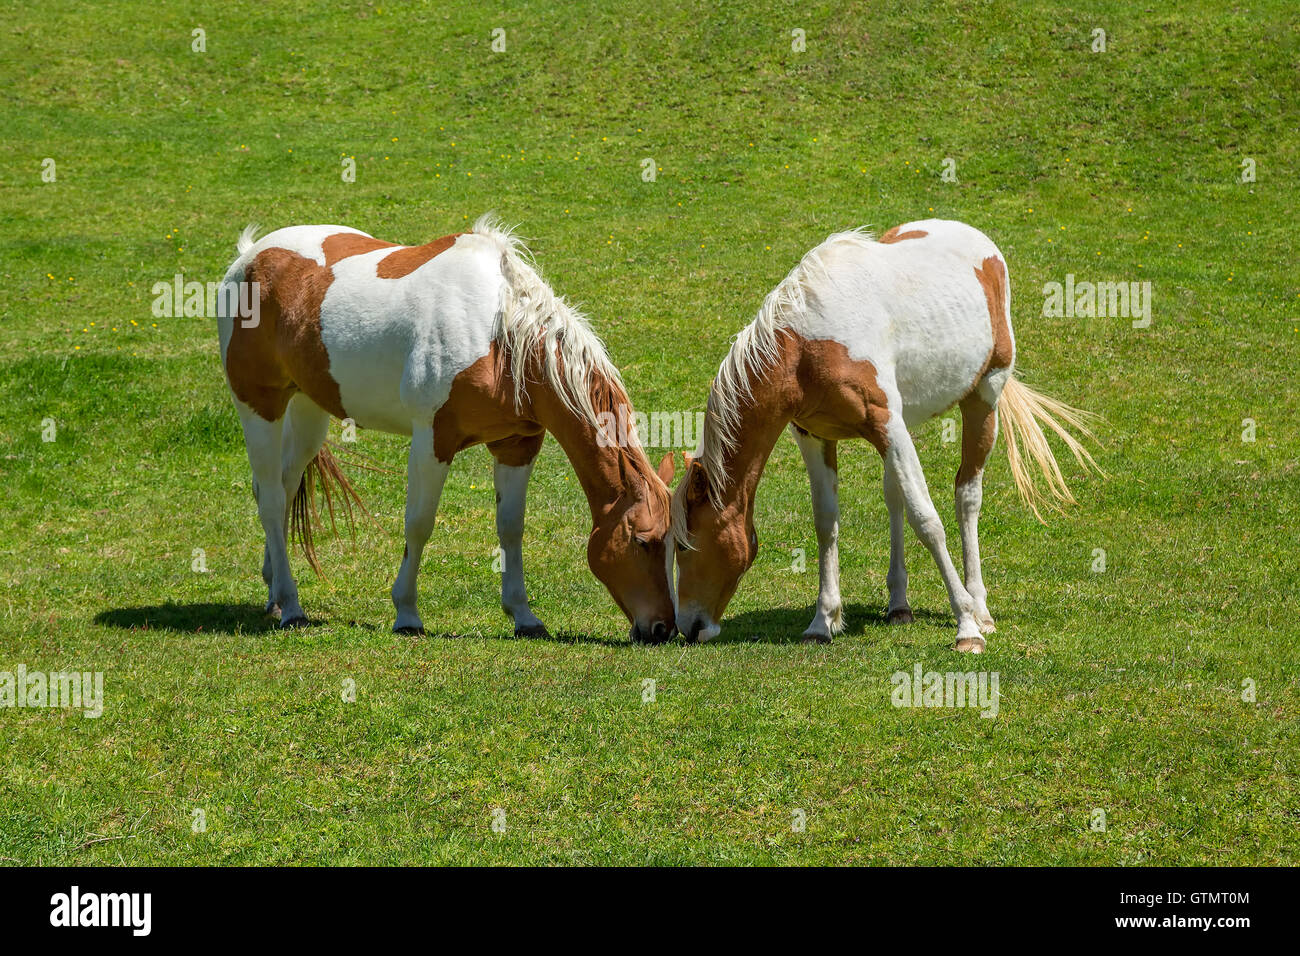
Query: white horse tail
x,y
229,297
247,239
243,246
1022,409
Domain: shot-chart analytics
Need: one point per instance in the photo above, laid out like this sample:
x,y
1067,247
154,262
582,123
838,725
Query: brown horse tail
x,y
326,471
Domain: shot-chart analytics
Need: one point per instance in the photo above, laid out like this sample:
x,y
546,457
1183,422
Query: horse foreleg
x,y
511,490
819,458
425,476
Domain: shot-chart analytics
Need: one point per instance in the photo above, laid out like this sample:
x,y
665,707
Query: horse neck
x,y
763,415
594,454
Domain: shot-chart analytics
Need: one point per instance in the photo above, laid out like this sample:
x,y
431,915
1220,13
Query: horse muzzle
x,y
696,627
656,633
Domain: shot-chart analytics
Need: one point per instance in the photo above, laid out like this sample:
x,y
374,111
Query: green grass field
x,y
1122,690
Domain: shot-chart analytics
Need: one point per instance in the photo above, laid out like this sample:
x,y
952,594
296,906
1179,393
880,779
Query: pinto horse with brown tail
x,y
865,339
458,342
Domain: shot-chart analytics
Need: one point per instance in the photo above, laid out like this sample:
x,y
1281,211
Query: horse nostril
x,y
696,626
660,632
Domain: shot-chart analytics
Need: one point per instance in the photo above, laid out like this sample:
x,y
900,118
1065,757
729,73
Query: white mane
x,y
754,350
537,323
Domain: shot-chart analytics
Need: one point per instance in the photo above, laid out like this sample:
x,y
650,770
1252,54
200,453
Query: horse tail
x,y
229,297
326,471
247,239
1022,410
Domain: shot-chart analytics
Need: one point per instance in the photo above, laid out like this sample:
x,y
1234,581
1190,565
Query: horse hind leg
x,y
425,476
979,431
306,427
898,611
263,440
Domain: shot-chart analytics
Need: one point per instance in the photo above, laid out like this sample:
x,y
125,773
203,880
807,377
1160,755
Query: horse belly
x,y
371,391
941,350
395,366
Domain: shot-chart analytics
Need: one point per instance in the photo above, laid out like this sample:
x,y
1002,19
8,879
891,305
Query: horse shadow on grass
x,y
215,618
786,625
783,625
207,618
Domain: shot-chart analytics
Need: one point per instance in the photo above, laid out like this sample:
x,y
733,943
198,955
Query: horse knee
x,y
929,529
827,523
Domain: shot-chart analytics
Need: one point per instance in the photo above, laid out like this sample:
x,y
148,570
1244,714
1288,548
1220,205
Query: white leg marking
x,y
306,426
969,497
898,610
901,460
263,441
425,475
511,489
824,480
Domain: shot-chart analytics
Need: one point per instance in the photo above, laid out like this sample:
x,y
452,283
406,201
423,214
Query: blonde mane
x,y
753,351
538,328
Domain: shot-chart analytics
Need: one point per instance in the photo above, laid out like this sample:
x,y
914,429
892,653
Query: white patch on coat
x,y
395,345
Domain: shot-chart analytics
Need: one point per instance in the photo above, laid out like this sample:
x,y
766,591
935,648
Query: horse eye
x,y
644,542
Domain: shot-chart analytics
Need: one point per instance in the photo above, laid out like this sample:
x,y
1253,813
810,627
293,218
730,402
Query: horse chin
x,y
697,626
708,633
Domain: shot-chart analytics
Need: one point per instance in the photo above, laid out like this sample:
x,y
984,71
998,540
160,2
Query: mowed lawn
x,y
1147,639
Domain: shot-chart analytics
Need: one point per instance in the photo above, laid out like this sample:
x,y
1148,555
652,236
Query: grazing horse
x,y
457,342
864,339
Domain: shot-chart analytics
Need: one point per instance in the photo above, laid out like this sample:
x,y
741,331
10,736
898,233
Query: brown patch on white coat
x,y
267,363
979,423
284,353
897,235
404,261
343,245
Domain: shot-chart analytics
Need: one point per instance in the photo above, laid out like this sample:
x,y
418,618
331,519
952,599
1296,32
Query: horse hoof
x,y
294,623
533,630
901,615
987,626
970,645
811,638
410,630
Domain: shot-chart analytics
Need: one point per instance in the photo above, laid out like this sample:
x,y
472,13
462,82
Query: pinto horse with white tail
x,y
457,342
864,339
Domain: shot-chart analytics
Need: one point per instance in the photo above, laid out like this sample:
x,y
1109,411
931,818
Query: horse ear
x,y
689,458
697,483
666,468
